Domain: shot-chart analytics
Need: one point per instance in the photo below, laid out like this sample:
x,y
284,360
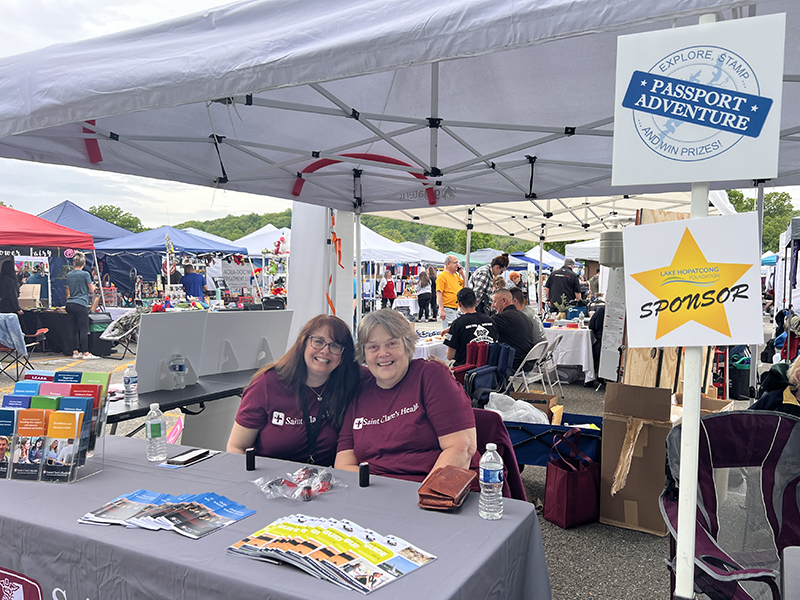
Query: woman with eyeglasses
x,y
293,408
410,416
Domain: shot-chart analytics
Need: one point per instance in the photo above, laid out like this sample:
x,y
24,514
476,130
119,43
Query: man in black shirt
x,y
563,286
512,325
471,326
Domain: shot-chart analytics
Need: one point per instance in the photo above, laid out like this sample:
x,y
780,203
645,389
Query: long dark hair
x,y
7,271
424,280
342,383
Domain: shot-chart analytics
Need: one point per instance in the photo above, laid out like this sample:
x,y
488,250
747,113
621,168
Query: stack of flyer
x,y
192,515
338,551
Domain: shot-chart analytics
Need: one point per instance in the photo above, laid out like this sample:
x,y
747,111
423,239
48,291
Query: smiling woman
x,y
410,416
293,409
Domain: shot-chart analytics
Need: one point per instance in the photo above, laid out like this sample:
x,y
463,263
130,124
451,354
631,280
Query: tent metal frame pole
x,y
753,379
434,129
253,273
541,286
469,245
360,267
99,279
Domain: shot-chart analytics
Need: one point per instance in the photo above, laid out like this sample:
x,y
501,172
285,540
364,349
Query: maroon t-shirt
x,y
397,431
269,406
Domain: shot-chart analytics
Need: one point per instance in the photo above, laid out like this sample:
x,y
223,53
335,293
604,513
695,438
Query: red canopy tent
x,y
24,234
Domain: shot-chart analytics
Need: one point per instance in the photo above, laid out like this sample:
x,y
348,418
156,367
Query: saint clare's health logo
x,y
696,103
14,586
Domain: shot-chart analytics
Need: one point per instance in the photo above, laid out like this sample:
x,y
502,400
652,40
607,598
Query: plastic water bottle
x,y
490,505
131,381
178,367
156,430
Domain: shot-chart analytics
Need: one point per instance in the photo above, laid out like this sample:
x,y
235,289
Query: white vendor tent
x,y
431,102
548,260
264,240
376,248
428,256
588,250
208,236
487,254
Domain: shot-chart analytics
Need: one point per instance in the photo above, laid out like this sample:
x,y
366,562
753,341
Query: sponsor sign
x,y
694,282
699,103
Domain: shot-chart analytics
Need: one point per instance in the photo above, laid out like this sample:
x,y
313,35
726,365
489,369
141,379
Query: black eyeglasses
x,y
319,343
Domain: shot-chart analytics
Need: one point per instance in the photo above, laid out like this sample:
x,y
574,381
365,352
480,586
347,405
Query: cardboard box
x,y
29,295
708,405
635,505
544,402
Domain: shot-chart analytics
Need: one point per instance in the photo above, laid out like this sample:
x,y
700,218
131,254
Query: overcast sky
x,y
33,187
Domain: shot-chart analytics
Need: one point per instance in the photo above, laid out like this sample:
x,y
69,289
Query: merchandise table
x,y
45,543
411,303
207,389
426,349
575,349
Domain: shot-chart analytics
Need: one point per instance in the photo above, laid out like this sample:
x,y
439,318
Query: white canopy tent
x,y
376,248
363,105
588,250
292,116
428,256
264,240
547,260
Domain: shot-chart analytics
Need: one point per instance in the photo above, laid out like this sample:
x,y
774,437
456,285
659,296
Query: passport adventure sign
x,y
699,103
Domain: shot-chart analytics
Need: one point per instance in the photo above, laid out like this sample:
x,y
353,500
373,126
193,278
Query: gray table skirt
x,y
43,541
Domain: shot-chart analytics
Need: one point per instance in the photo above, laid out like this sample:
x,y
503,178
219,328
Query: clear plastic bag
x,y
304,484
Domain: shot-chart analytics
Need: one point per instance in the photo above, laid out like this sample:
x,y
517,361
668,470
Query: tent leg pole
x,y
753,383
541,287
469,244
99,279
360,266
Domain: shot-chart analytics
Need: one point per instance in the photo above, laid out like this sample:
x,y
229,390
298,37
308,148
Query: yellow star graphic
x,y
692,289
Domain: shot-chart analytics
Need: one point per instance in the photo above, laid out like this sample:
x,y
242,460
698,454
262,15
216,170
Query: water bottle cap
x,y
491,447
154,406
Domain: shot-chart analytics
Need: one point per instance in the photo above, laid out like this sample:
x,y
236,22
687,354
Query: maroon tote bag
x,y
572,487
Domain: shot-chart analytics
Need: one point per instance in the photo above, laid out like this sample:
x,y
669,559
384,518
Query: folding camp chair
x,y
123,331
13,349
550,365
747,505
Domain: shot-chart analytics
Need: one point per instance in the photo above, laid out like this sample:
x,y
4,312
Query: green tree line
x,y
778,211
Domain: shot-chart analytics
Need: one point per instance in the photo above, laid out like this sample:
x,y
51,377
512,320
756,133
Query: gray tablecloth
x,y
43,541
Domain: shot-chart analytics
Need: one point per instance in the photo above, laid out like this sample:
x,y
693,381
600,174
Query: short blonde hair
x,y
78,259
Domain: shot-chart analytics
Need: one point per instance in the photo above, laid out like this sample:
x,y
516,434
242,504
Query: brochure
x,y
339,551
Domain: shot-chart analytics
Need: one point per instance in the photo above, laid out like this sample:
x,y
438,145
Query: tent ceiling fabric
x,y
435,98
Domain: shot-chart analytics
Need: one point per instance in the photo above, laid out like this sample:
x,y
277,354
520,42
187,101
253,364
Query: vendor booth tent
x,y
588,250
376,248
353,91
263,240
208,236
548,260
427,255
73,216
487,254
154,241
33,236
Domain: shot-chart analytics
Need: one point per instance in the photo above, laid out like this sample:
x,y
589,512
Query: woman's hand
x,y
346,459
241,439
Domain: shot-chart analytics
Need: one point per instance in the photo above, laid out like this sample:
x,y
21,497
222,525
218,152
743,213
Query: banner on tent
x,y
700,103
693,282
19,251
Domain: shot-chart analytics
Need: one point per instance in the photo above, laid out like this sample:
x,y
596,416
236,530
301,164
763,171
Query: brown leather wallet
x,y
446,488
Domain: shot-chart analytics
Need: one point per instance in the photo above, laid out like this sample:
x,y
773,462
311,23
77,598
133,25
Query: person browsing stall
x,y
448,283
39,278
193,283
9,289
293,408
410,416
512,326
79,286
471,326
482,281
386,290
518,299
563,286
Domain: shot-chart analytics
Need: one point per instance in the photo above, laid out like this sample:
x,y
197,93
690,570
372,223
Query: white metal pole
x,y
99,279
690,439
754,348
541,287
469,246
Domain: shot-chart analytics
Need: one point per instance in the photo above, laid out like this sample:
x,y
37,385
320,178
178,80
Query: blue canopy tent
x,y
769,261
153,244
521,256
114,269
